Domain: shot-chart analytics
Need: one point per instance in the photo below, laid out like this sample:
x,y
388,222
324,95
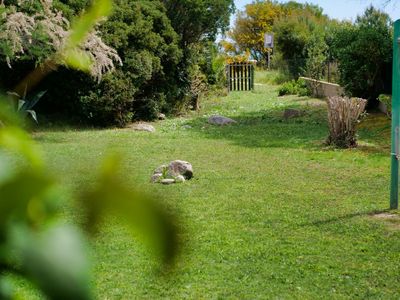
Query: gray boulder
x,y
176,171
180,167
220,120
143,127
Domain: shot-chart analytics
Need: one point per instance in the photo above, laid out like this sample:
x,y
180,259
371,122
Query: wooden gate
x,y
240,76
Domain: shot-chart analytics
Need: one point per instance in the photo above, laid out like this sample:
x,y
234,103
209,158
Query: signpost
x,y
269,44
395,153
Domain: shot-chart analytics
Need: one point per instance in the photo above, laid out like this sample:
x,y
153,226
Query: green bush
x,y
387,100
294,87
157,51
364,52
111,102
288,88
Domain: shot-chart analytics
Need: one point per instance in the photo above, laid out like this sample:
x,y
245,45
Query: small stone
x,y
156,177
179,179
220,120
167,181
143,127
161,116
187,127
161,169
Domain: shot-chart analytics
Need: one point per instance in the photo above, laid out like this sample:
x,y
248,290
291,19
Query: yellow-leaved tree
x,y
251,24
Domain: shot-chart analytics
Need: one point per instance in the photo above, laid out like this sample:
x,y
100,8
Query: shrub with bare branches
x,y
343,116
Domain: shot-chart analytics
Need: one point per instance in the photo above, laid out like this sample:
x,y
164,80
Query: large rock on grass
x,y
220,120
143,127
180,167
176,171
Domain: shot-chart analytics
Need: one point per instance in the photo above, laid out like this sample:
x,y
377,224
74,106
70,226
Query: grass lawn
x,y
271,212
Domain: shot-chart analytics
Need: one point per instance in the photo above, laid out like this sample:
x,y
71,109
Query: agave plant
x,y
25,104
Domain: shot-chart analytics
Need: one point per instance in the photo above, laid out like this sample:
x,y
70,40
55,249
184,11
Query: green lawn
x,y
271,212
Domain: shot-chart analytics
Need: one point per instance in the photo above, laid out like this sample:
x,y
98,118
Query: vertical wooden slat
x,y
245,77
252,77
230,77
234,77
249,76
241,76
239,68
237,78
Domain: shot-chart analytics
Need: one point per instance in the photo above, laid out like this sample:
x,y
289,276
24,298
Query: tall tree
x,y
251,24
294,32
364,51
196,20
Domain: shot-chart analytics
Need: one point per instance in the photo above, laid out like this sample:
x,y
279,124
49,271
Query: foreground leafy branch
x,y
35,242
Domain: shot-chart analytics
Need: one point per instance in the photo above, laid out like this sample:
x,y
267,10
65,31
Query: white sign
x,y
269,40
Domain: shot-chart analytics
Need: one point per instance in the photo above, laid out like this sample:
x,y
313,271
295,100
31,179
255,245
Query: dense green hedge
x,y
157,57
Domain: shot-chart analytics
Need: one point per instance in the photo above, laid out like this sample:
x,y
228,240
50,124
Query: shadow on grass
x,y
268,128
40,137
375,133
344,218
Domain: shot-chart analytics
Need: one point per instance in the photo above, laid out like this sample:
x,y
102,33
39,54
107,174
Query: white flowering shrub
x,y
45,35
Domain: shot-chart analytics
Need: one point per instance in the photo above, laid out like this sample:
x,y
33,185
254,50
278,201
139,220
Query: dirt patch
x,y
392,221
386,216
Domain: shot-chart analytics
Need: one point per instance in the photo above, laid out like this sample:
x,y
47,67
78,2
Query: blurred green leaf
x,y
72,55
141,212
78,59
6,289
16,140
23,198
7,167
54,260
7,112
86,22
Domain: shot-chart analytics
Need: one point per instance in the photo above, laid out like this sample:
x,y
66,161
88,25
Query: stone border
x,y
323,89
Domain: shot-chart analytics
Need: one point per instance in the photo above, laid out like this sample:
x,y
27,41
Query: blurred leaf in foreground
x,y
54,260
18,141
83,25
146,217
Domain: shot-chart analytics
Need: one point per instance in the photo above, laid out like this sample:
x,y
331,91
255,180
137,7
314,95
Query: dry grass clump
x,y
343,116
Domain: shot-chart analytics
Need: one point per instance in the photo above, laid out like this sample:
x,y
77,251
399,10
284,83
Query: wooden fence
x,y
240,76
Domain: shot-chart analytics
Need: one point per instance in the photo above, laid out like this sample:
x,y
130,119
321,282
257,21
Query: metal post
x,y
394,188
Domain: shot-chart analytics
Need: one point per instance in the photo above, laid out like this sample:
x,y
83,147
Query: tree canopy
x,y
195,20
364,51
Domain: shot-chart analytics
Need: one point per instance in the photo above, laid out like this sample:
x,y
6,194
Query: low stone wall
x,y
323,89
